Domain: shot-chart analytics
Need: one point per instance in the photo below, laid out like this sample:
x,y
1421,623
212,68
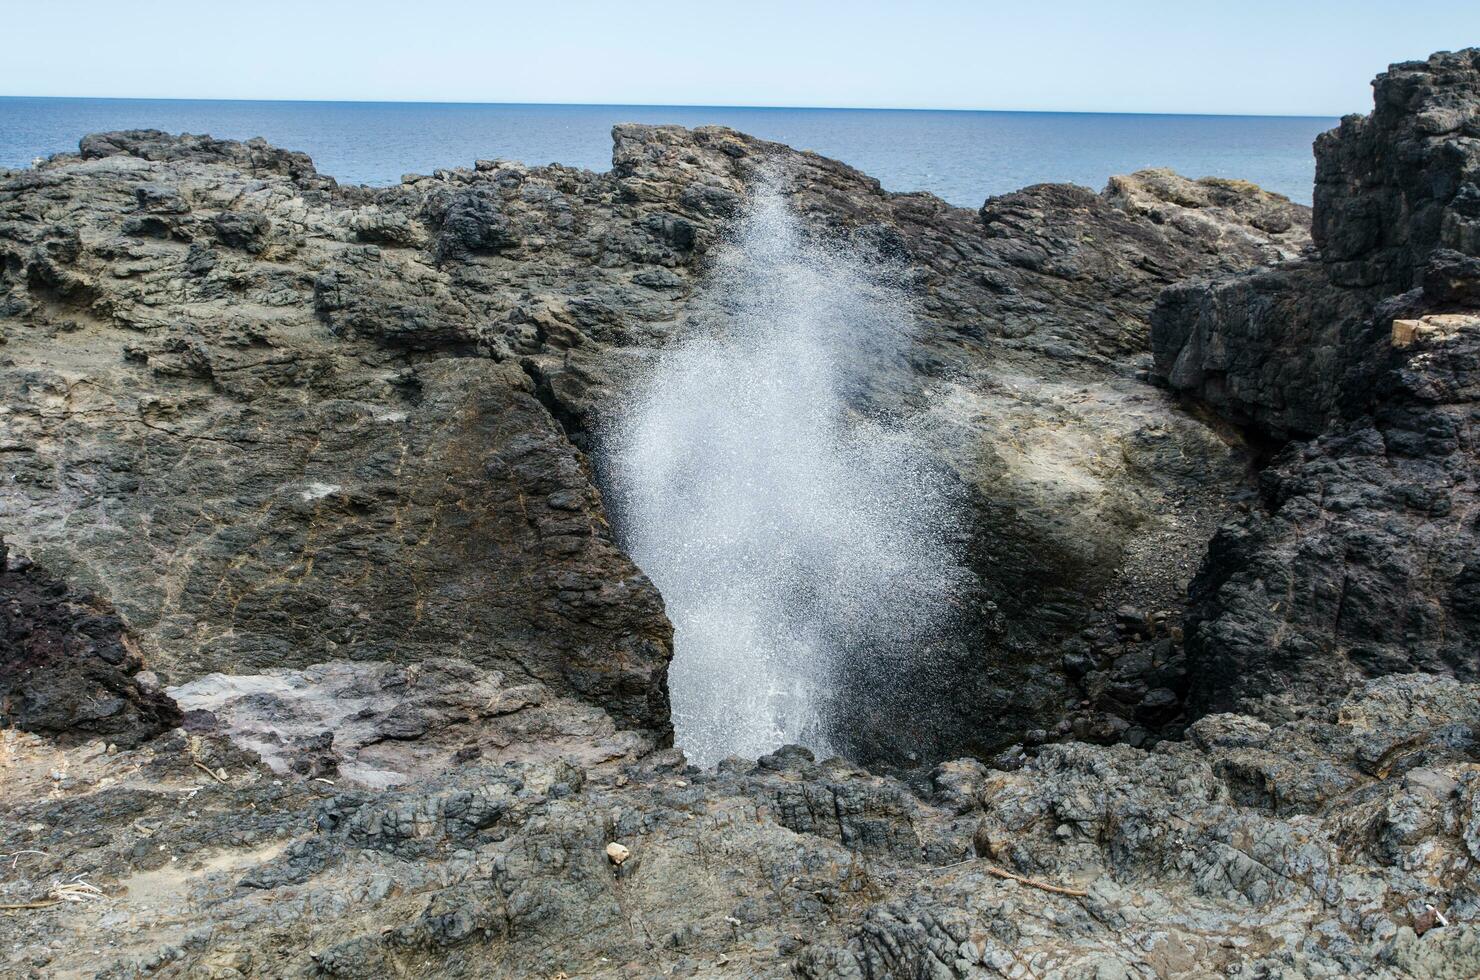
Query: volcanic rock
x,y
67,666
1309,848
1361,558
279,422
324,459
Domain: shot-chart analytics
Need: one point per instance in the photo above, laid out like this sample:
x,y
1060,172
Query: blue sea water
x,y
962,156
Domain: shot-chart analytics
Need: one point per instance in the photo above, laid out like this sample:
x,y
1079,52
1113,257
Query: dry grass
x,y
72,891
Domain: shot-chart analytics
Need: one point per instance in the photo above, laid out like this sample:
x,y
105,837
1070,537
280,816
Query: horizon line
x,y
683,105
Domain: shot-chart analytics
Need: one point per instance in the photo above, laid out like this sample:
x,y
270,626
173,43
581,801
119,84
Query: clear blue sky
x,y
1312,57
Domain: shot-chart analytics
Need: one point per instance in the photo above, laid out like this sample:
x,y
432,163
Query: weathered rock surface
x,y
1296,348
380,724
278,422
67,667
253,487
328,452
1362,557
1311,848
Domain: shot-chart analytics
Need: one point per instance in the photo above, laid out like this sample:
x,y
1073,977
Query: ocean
x,y
964,157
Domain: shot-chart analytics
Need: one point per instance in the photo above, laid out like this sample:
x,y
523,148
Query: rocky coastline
x,y
323,657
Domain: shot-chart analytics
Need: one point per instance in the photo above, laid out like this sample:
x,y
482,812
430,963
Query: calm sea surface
x,y
961,156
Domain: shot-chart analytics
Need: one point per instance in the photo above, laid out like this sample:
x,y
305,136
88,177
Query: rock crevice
x,y
279,422
320,458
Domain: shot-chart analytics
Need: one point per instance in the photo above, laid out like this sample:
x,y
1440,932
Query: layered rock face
x,y
278,422
1361,559
208,424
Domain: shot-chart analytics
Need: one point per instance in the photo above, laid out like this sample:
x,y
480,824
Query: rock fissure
x,y
329,660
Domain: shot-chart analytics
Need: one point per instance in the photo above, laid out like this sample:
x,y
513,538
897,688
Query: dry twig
x,y
16,856
209,771
75,890
17,906
1031,883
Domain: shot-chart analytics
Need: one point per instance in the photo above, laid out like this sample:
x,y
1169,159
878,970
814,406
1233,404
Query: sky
x,y
1292,57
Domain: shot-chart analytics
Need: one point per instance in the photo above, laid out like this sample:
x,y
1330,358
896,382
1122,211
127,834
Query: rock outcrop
x,y
1293,349
213,425
1362,557
1325,846
326,461
278,422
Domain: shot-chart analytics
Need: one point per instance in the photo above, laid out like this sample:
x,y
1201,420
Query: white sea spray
x,y
789,535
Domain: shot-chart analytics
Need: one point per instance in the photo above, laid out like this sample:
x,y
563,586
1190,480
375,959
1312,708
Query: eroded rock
x,y
1309,848
304,422
1360,558
67,666
324,450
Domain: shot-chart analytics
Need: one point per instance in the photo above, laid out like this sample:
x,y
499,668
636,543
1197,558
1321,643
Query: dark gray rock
x,y
1307,848
330,467
67,667
1393,186
241,229
304,422
1359,559
1283,351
